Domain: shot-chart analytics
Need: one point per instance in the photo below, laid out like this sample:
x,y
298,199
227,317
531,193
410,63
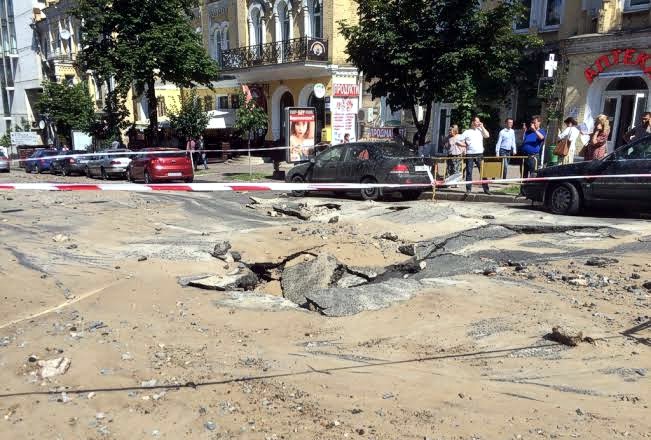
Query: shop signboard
x,y
626,57
30,138
384,132
300,132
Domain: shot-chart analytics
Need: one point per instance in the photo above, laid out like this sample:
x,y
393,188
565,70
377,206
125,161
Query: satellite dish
x,y
65,34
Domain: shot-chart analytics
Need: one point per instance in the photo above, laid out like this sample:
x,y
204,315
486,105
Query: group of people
x,y
469,145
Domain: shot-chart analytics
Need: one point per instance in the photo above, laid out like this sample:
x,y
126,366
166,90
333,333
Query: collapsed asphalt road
x,y
325,318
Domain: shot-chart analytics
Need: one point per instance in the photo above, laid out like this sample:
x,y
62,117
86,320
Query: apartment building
x,y
286,53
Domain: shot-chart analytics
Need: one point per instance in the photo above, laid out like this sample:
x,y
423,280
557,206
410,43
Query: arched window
x,y
317,20
256,21
284,22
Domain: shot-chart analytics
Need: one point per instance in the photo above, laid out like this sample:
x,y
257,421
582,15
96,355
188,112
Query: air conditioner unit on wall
x,y
366,114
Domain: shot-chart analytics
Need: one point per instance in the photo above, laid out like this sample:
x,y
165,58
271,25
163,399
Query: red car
x,y
160,164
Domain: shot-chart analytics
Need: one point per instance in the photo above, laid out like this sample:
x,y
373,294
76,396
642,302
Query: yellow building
x,y
280,50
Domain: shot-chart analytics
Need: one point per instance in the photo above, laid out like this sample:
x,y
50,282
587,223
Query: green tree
x,y
138,41
190,120
69,107
249,118
416,52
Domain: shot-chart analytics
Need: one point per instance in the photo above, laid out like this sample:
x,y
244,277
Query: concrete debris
x,y
647,285
221,248
600,261
53,367
568,337
142,258
389,236
334,219
294,210
60,238
407,249
243,279
148,383
350,280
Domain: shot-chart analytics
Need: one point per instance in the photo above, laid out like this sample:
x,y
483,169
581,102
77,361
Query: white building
x,y
21,73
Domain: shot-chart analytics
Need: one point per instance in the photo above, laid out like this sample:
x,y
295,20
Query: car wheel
x,y
148,178
129,175
411,195
65,171
39,170
103,174
370,193
189,179
298,179
564,199
28,170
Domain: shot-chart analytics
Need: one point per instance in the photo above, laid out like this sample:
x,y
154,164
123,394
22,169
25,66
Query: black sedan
x,y
568,196
70,165
365,162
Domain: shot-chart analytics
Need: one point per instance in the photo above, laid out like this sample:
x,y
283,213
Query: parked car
x,y
41,160
569,196
5,166
364,162
109,163
70,165
153,165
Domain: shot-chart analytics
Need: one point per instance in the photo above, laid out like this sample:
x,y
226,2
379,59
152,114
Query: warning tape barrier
x,y
285,186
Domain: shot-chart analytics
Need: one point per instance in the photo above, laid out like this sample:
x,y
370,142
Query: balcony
x,y
278,52
61,58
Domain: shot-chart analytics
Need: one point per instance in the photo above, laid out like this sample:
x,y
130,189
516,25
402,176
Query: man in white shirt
x,y
474,139
505,146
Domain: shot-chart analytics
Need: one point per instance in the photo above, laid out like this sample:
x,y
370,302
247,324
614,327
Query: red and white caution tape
x,y
282,186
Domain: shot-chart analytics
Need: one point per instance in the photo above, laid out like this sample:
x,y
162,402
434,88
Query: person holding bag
x,y
566,145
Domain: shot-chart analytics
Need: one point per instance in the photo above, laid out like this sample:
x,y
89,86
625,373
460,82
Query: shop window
x,y
627,83
222,102
235,101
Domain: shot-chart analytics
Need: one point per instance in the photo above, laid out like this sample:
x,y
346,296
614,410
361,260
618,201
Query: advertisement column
x,y
344,107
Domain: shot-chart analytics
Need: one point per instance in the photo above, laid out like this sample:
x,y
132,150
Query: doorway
x,y
624,101
287,100
319,106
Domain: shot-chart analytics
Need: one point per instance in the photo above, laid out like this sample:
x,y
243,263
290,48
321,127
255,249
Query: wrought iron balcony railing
x,y
277,52
61,58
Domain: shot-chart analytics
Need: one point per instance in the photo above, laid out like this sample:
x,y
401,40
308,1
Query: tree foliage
x,y
70,107
416,52
190,120
138,41
249,117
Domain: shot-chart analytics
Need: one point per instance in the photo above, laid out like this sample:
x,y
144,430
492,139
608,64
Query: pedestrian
x,y
641,130
474,140
533,141
202,152
454,148
597,147
571,134
189,147
505,146
115,144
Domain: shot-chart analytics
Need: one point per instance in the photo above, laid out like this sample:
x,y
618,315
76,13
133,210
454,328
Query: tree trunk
x,y
153,109
422,127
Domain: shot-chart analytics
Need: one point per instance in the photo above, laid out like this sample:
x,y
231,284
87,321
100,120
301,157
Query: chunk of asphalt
x,y
338,301
301,278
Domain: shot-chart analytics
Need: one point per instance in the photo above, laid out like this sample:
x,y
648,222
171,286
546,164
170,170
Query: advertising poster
x,y
300,132
344,106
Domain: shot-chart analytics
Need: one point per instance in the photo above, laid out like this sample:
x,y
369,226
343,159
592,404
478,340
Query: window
x,y
317,20
632,5
207,103
331,155
69,80
256,23
160,106
641,150
524,22
217,46
553,11
235,101
222,102
284,23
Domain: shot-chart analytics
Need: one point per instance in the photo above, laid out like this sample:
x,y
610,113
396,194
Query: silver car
x,y
5,166
109,163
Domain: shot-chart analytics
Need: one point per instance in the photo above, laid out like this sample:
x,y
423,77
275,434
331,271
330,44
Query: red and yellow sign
x,y
627,57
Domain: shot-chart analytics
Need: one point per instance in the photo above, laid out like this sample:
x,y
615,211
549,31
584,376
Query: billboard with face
x,y
301,122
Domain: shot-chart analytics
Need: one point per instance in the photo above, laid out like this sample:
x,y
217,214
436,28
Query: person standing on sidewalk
x,y
202,153
534,139
454,149
474,140
505,146
571,133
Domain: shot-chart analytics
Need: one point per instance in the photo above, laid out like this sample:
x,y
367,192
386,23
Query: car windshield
x,y
639,150
2,155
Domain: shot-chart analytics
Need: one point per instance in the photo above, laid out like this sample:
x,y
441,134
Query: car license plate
x,y
174,174
422,168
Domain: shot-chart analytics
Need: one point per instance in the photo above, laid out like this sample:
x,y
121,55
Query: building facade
x,y
280,50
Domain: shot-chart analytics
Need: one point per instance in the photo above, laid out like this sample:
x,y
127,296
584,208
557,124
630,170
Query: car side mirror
x,y
312,160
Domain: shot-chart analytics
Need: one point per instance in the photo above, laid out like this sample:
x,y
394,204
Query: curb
x,y
480,198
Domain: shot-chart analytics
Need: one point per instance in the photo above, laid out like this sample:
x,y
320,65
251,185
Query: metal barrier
x,y
491,167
